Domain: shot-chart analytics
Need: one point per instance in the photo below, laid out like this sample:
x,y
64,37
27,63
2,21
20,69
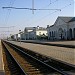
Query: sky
x,y
13,20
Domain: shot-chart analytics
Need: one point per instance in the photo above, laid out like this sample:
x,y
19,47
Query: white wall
x,y
72,26
59,21
41,32
59,24
33,34
65,27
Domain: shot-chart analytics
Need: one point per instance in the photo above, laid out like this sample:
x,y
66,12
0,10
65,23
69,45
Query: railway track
x,y
34,64
10,64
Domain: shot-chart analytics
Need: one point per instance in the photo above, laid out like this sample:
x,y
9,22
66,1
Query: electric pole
x,y
32,6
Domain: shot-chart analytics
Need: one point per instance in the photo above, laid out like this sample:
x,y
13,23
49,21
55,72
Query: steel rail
x,y
57,70
16,61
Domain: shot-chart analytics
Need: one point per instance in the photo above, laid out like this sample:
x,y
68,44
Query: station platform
x,y
1,61
63,54
67,44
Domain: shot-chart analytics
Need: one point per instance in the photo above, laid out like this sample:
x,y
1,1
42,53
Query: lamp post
x,y
20,36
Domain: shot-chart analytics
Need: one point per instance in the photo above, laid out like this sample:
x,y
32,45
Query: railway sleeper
x,y
63,72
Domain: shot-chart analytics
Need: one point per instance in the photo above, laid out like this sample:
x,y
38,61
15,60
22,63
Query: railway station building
x,y
34,33
62,29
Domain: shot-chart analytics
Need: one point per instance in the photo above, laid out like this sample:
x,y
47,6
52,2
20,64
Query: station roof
x,y
73,19
65,18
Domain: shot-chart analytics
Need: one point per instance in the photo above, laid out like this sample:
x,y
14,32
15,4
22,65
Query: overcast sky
x,y
18,19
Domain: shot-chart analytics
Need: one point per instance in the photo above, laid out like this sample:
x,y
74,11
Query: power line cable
x,y
8,27
33,7
28,8
53,12
58,11
51,2
9,11
11,3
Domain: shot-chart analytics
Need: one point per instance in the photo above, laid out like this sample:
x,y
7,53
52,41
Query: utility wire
x,y
9,11
6,31
7,27
27,8
57,11
53,12
7,17
35,9
50,3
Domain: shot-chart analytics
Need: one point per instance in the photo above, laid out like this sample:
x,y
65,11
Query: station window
x,y
39,33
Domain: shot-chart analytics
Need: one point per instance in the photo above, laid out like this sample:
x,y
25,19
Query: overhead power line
x,y
8,27
52,13
4,27
6,31
28,8
52,2
11,3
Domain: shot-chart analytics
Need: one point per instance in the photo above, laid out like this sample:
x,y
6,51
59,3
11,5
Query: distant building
x,y
14,37
35,33
27,31
22,35
17,36
63,29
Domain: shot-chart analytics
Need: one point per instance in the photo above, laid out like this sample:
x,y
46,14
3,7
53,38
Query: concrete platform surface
x,y
60,53
1,61
53,42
